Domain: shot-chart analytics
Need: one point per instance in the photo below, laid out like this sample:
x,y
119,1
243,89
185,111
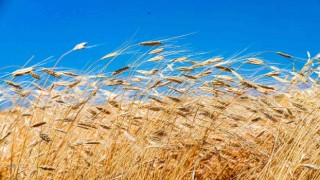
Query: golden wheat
x,y
168,120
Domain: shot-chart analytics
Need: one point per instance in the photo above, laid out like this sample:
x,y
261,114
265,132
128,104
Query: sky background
x,y
52,27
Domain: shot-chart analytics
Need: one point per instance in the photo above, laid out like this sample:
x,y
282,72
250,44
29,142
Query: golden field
x,y
163,116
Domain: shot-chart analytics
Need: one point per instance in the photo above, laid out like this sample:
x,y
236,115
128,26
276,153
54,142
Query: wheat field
x,y
168,114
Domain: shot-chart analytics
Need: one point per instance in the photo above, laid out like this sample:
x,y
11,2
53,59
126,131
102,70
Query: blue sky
x,y
50,28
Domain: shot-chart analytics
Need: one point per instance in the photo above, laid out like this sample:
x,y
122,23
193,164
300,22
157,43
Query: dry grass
x,y
174,118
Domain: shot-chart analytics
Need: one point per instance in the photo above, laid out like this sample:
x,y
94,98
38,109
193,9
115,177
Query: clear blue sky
x,y
51,27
